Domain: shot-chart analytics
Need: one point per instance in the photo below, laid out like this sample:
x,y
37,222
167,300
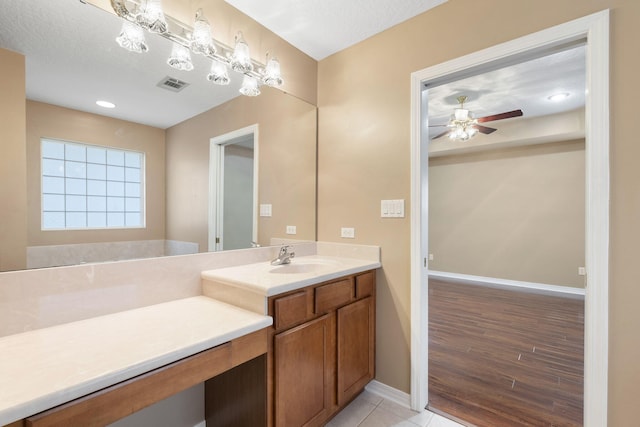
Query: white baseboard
x,y
539,288
389,393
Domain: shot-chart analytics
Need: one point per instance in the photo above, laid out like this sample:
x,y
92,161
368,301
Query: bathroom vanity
x,y
322,348
286,345
322,341
96,371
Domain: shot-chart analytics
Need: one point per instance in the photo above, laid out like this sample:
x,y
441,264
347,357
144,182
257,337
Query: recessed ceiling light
x,y
106,104
558,96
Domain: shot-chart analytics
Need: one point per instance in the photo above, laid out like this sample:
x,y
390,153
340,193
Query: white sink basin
x,y
302,266
295,268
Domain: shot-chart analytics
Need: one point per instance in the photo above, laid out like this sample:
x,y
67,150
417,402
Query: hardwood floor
x,y
505,358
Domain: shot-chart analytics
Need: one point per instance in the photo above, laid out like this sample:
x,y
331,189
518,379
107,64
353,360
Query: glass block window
x,y
88,186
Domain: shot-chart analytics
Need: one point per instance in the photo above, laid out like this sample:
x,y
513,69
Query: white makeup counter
x,y
43,368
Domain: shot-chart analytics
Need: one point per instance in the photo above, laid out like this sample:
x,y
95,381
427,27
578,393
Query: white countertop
x,y
268,280
44,368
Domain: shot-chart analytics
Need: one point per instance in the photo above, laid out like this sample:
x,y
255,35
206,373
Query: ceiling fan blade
x,y
437,126
485,129
440,134
501,116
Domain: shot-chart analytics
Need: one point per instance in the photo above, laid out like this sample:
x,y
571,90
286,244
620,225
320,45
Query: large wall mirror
x,y
72,60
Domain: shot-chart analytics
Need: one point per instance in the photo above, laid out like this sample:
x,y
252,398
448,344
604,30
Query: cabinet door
x,y
356,345
304,372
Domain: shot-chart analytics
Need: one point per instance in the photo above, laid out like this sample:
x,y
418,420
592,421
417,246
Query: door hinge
x,y
217,240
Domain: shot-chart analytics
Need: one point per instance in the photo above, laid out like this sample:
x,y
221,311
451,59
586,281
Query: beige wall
x,y
286,157
299,70
515,213
49,121
13,183
364,156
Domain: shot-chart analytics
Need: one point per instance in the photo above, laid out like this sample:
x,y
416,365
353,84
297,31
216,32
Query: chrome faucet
x,y
284,256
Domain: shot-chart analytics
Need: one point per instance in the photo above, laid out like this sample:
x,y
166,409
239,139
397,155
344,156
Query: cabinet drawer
x,y
290,310
333,295
364,284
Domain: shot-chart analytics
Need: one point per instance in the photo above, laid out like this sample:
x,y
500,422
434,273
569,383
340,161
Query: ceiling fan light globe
x,y
462,114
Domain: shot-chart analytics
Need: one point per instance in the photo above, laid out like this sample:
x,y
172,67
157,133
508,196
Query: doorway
x,y
233,190
593,30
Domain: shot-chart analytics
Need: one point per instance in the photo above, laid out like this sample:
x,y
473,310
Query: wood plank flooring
x,y
505,358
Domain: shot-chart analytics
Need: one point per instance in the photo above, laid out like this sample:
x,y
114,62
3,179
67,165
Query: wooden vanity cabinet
x,y
321,349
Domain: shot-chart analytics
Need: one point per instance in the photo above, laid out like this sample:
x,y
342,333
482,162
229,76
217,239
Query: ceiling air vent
x,y
172,84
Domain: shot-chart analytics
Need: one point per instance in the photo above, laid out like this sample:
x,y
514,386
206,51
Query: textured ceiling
x,y
321,28
73,60
525,86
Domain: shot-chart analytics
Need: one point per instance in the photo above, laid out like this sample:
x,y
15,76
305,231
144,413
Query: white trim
x,y
419,250
541,288
389,393
216,171
595,29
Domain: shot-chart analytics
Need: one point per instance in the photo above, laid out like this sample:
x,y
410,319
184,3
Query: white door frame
x,y
595,30
216,192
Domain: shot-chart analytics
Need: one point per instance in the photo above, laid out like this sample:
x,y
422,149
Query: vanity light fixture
x,y
241,59
132,38
151,16
272,76
462,123
250,86
201,40
148,15
219,74
180,58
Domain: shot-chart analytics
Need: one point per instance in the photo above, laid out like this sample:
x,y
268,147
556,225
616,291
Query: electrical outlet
x,y
291,229
430,257
582,271
265,210
348,232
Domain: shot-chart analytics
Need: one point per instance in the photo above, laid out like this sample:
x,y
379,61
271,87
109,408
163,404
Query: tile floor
x,y
371,410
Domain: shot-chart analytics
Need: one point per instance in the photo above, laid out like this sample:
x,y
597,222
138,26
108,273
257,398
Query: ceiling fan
x,y
462,125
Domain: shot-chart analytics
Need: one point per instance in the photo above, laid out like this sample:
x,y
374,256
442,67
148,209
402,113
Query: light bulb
x,y
218,74
202,42
132,38
249,86
272,76
241,59
180,58
151,16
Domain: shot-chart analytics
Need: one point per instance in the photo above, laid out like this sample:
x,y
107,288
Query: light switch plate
x,y
392,208
291,229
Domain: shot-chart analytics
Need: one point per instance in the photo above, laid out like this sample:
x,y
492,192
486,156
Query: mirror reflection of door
x,y
233,214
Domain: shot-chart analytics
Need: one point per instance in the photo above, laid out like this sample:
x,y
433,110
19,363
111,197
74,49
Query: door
x,y
595,29
233,190
303,373
356,347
